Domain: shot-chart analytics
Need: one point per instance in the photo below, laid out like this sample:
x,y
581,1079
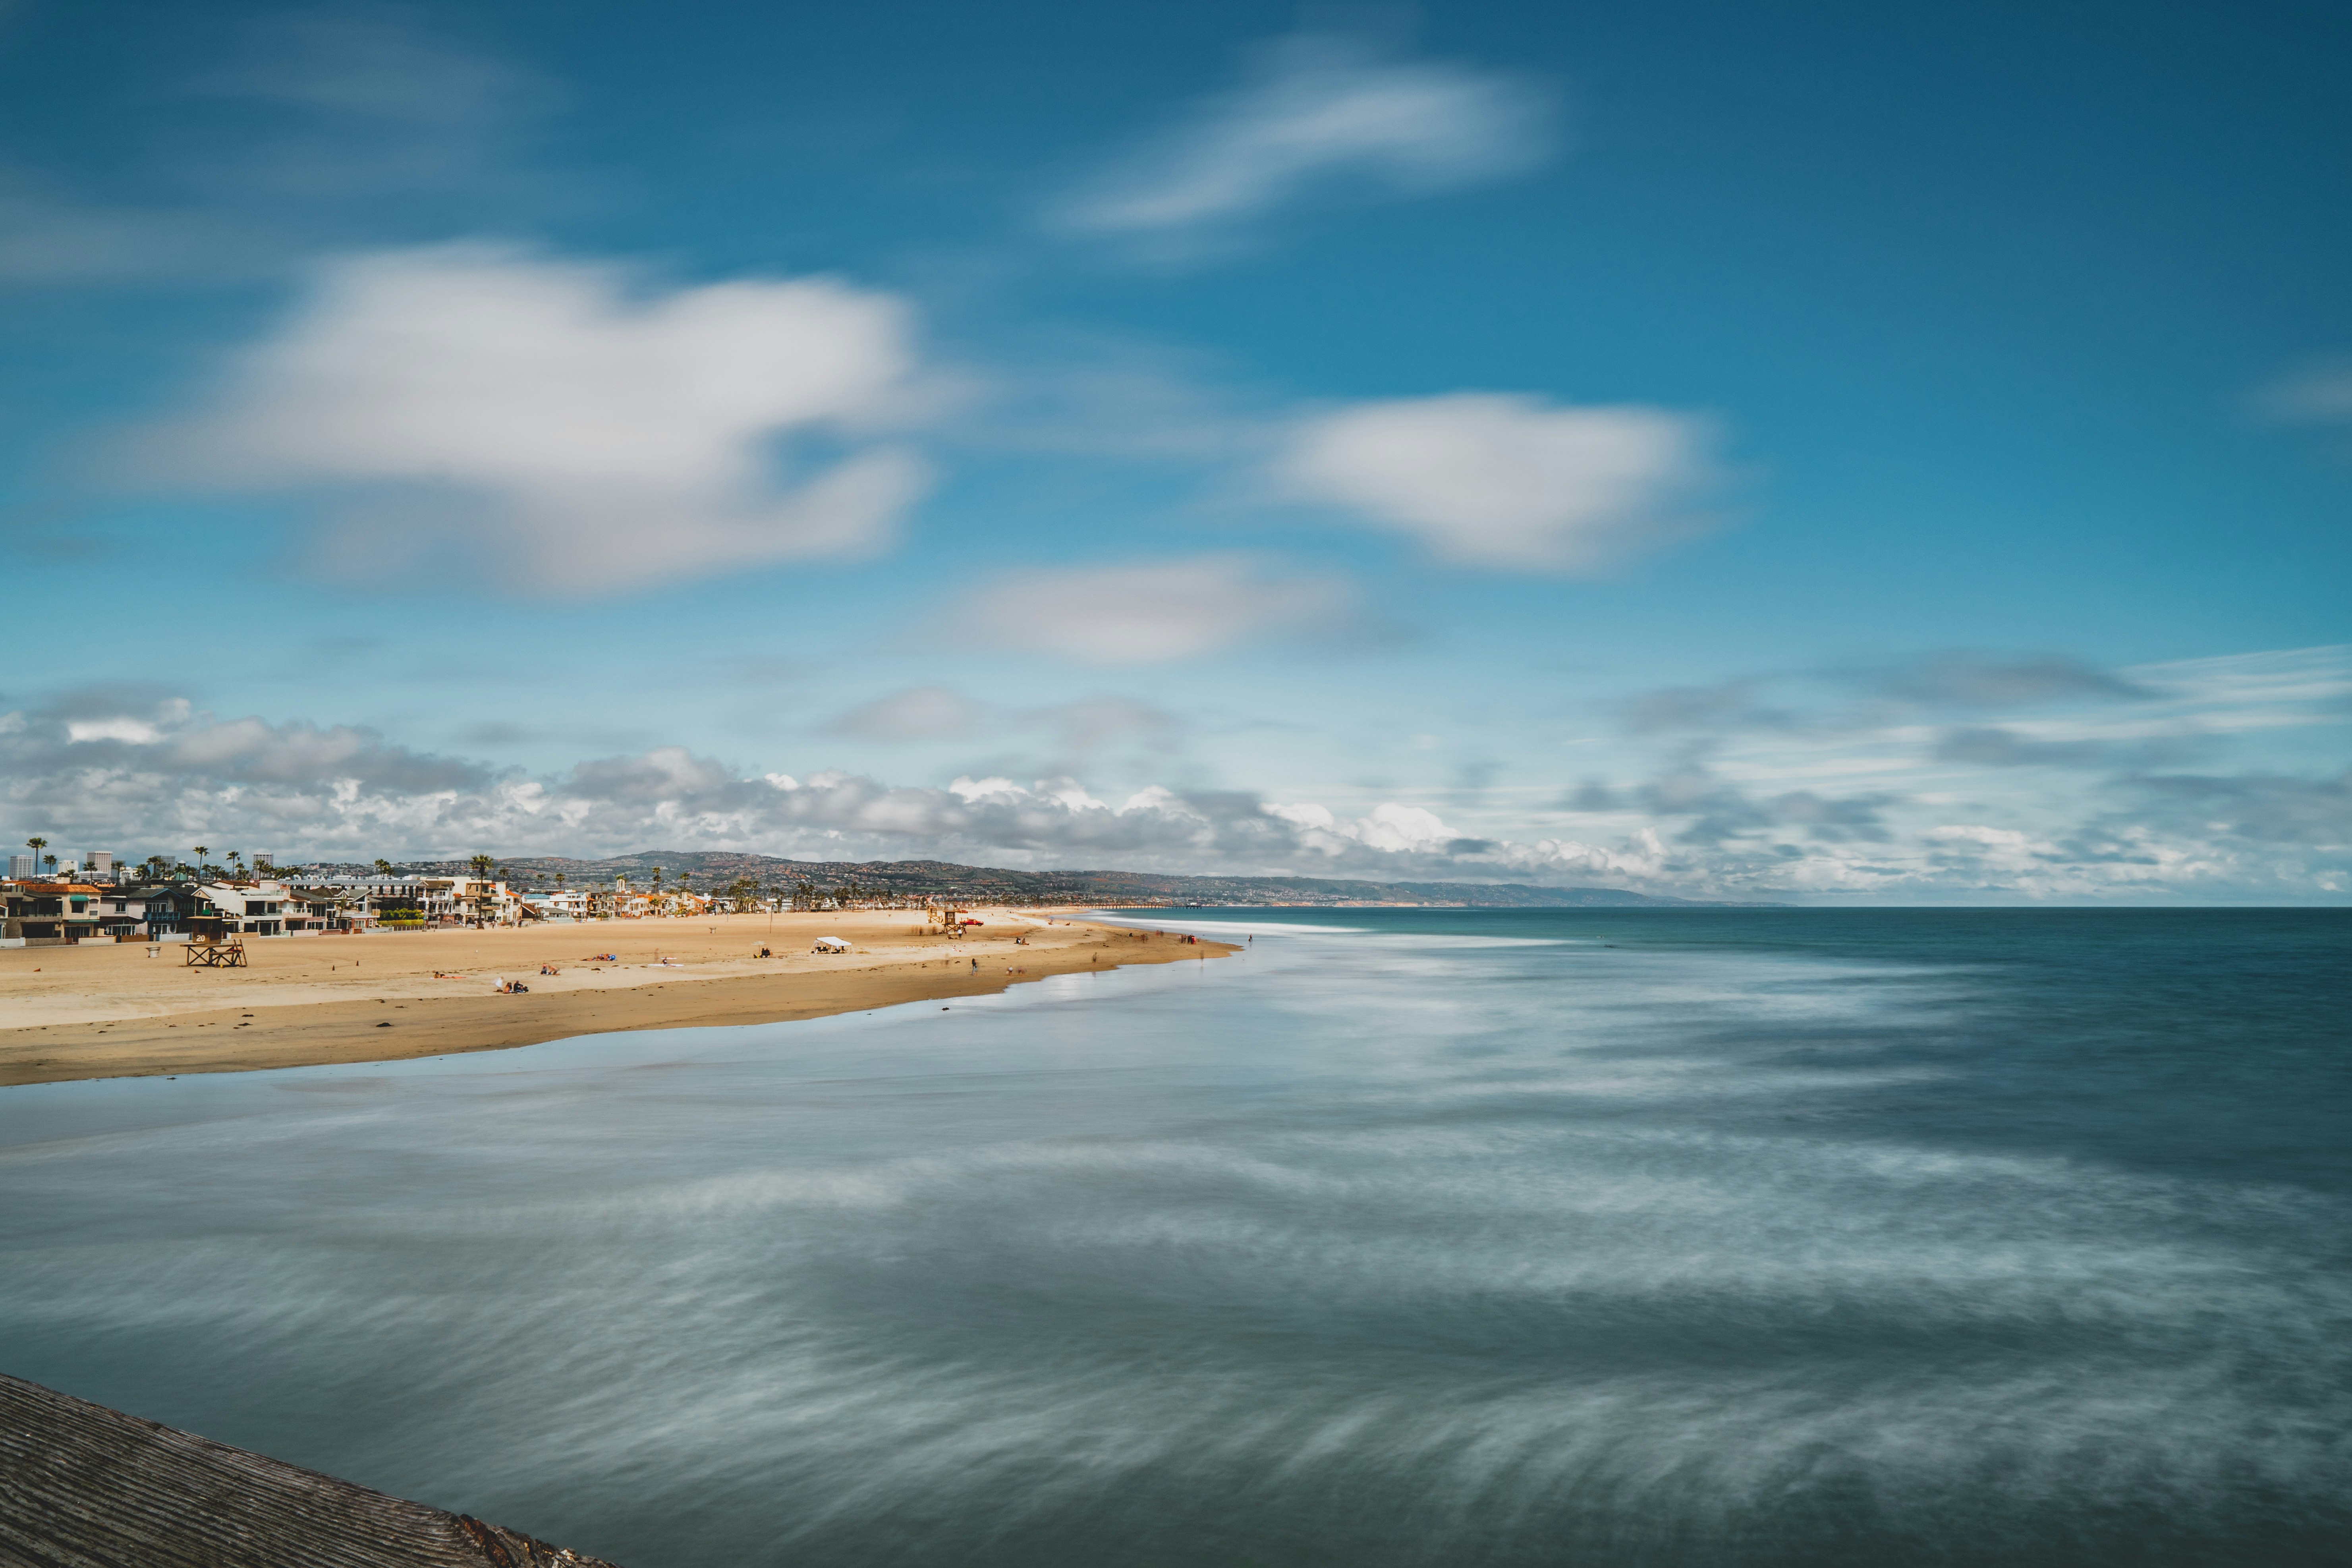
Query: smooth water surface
x,y
1408,1237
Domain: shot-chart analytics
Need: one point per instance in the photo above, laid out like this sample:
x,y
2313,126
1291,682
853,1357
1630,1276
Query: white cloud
x,y
1504,481
1319,112
1390,827
2319,392
1147,614
568,433
135,732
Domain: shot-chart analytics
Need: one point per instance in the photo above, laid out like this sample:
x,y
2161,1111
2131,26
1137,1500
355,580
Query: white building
x,y
564,904
456,901
260,908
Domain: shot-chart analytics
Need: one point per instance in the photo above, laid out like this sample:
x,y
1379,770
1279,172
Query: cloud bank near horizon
x,y
1724,812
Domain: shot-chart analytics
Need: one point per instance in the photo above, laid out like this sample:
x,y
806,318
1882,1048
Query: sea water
x,y
1768,1237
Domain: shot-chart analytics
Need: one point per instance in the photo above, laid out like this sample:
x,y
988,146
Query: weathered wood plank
x,y
82,1485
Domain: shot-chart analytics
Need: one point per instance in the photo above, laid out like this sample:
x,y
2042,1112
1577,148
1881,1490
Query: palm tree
x,y
201,851
384,867
37,844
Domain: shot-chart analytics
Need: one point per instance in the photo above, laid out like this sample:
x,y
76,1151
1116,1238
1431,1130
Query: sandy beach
x,y
114,1011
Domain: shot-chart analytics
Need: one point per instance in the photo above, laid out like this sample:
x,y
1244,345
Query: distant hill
x,y
711,869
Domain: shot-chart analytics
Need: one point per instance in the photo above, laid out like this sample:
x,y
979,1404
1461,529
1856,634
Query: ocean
x,y
1408,1237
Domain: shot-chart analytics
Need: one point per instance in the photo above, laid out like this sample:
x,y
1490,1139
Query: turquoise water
x,y
1410,1238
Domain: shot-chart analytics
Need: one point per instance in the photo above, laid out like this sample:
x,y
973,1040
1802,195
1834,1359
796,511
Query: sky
x,y
1819,453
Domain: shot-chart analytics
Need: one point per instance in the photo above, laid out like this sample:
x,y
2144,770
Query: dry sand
x,y
113,1011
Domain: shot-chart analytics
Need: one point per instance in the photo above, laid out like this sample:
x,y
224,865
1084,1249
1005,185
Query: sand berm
x,y
115,1010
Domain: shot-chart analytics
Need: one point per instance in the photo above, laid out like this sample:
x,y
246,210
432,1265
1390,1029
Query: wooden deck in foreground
x,y
82,1485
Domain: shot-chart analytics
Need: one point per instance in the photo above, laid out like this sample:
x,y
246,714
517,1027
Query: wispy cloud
x,y
559,427
1315,116
49,236
1985,680
1154,612
332,125
1511,482
2012,746
2318,392
1725,706
374,102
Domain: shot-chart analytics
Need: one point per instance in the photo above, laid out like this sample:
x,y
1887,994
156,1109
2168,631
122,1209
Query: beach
x,y
114,1011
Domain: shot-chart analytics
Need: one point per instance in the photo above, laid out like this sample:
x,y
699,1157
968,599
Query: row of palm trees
x,y
48,863
236,868
804,894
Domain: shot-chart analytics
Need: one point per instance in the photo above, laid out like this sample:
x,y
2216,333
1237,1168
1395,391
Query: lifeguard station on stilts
x,y
211,946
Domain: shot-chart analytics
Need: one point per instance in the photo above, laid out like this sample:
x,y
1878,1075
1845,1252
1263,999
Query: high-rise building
x,y
100,863
20,866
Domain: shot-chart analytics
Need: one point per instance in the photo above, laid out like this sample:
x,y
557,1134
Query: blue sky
x,y
1804,452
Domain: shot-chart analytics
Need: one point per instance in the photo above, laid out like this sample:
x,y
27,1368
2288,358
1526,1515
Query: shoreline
x,y
73,1014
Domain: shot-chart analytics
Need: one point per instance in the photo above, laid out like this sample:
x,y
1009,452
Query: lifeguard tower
x,y
213,943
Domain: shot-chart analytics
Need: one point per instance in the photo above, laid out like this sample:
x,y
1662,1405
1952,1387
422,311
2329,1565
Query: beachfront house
x,y
250,909
563,904
50,913
167,908
323,908
122,910
623,902
476,900
360,903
